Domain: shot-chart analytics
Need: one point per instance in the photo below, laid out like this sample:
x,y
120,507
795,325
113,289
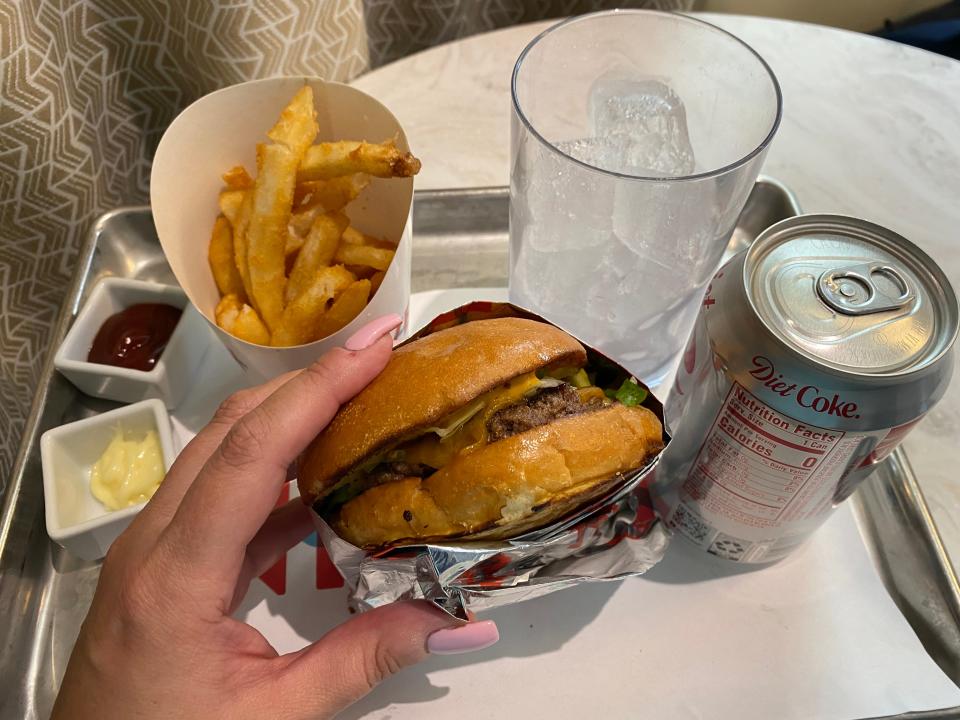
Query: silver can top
x,y
851,295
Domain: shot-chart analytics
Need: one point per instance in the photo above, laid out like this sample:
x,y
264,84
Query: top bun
x,y
425,381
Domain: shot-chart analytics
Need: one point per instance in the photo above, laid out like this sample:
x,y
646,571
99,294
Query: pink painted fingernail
x,y
463,639
373,331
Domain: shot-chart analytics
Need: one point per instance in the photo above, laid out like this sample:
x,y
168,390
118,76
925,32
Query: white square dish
x,y
75,518
173,373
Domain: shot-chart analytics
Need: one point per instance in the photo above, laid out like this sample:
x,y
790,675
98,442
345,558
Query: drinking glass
x,y
636,137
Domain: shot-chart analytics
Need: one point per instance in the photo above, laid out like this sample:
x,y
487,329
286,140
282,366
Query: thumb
x,y
350,660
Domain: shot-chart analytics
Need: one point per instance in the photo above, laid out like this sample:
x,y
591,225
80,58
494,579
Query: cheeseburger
x,y
484,430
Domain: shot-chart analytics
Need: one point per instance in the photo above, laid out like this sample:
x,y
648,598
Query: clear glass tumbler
x,y
635,140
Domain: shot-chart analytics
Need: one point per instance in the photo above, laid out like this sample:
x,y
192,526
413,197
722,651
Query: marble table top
x,y
871,128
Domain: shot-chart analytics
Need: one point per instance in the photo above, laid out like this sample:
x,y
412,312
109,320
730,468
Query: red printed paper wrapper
x,y
612,537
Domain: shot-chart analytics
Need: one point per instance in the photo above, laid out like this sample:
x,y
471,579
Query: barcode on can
x,y
687,522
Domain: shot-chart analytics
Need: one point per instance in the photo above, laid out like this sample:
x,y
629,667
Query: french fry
x,y
333,159
363,272
326,231
345,308
331,195
227,312
240,228
272,246
272,199
248,326
317,251
231,201
352,236
375,281
300,222
297,126
237,178
291,250
241,320
300,320
302,219
303,192
293,243
377,258
220,257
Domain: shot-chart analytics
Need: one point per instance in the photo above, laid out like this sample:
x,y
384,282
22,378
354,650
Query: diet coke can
x,y
815,352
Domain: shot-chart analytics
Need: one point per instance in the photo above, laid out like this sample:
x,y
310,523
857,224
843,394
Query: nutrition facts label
x,y
763,468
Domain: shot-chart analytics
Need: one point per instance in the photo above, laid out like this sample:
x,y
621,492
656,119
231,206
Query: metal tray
x,y
460,239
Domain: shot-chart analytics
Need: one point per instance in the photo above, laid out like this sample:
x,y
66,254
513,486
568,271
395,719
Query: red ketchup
x,y
136,337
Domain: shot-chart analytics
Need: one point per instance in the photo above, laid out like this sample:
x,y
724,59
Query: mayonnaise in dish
x,y
129,471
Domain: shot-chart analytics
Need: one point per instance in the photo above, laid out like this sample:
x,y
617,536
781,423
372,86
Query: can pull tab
x,y
852,290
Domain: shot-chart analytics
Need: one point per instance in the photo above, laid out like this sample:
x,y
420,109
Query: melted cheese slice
x,y
466,430
435,451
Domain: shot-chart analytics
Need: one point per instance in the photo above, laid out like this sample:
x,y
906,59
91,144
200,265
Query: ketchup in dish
x,y
135,338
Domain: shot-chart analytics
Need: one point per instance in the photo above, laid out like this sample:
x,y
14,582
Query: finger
x,y
285,527
156,515
238,486
193,457
352,659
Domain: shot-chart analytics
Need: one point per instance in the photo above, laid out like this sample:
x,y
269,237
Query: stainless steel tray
x,y
460,239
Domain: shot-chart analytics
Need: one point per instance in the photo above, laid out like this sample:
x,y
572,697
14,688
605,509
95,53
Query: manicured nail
x,y
463,639
373,331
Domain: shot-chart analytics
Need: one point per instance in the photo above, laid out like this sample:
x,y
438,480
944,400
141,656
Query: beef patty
x,y
392,471
542,408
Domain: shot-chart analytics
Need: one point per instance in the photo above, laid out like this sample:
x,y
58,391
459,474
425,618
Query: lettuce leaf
x,y
629,393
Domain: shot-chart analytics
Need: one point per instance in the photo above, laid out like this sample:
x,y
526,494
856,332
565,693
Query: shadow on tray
x,y
544,625
685,564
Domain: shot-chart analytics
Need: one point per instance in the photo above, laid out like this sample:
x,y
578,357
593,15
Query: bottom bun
x,y
509,487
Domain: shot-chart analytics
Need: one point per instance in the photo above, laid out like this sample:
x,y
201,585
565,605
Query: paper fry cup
x,y
221,130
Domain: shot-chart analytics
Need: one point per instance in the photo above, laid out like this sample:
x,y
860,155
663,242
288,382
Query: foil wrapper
x,y
615,536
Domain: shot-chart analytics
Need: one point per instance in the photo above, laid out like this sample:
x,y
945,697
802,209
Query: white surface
x,y
870,128
173,372
75,518
815,636
221,130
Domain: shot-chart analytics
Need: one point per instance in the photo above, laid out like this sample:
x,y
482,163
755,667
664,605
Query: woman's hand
x,y
159,640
